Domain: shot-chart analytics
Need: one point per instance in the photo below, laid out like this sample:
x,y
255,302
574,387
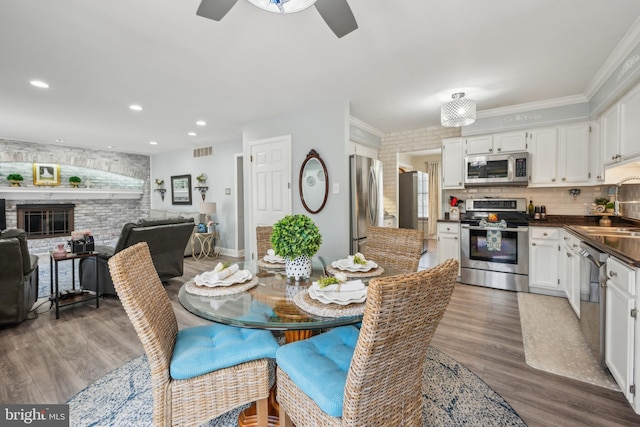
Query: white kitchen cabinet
x,y
507,142
560,156
620,327
452,163
630,125
570,279
482,144
573,154
596,152
610,135
543,153
544,261
448,242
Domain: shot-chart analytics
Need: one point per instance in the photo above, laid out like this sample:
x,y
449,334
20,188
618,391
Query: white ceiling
x,y
397,69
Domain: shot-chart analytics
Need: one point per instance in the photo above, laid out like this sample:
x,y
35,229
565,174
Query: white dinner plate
x,y
336,297
239,276
343,264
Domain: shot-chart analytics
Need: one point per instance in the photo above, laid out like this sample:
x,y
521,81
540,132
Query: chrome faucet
x,y
616,202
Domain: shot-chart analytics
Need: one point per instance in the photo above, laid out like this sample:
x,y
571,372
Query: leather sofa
x,y
166,239
197,219
18,277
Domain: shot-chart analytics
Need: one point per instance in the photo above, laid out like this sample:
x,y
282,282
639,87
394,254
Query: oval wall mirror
x,y
314,183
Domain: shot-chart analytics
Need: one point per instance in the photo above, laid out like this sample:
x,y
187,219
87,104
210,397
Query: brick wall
x,y
98,169
402,142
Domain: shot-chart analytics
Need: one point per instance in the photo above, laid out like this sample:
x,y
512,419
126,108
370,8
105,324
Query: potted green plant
x,y
75,181
296,239
609,207
15,179
202,178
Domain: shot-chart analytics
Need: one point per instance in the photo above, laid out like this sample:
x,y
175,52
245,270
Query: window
x,y
45,221
423,195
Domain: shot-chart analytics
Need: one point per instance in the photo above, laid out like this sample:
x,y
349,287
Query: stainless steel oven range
x,y
494,244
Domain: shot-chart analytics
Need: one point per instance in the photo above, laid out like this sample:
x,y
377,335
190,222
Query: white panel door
x,y
270,182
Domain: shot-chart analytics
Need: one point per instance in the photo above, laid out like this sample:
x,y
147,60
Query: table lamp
x,y
207,209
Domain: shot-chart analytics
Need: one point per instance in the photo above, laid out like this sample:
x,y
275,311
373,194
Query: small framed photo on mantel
x,y
46,174
181,190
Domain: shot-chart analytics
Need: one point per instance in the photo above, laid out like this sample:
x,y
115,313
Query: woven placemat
x,y
308,304
270,265
220,291
355,274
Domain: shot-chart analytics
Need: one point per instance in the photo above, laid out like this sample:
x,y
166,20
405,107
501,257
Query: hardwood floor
x,y
47,360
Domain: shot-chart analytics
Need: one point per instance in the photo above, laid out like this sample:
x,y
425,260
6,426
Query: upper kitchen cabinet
x,y
543,146
620,129
507,142
452,163
560,156
630,125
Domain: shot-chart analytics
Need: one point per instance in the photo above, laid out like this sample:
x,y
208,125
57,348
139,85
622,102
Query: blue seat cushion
x,y
319,366
202,349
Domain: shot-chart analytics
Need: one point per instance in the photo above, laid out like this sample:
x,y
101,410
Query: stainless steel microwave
x,y
497,169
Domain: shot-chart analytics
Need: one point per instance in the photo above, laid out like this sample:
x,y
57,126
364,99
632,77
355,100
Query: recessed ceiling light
x,y
153,143
59,140
135,107
201,123
40,84
192,134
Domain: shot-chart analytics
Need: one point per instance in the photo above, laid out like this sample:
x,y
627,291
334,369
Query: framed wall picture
x,y
46,174
181,190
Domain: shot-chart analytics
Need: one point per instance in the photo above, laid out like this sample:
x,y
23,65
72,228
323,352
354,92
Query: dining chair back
x,y
397,248
263,237
373,376
197,373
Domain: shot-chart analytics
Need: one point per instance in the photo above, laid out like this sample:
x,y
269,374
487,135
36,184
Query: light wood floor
x,y
47,360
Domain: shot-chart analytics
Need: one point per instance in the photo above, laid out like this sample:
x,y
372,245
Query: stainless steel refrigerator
x,y
367,206
411,201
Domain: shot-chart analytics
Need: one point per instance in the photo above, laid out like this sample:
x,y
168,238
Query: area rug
x,y
554,343
452,396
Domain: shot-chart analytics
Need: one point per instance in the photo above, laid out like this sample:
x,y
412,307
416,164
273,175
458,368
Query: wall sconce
x,y
575,192
161,191
202,190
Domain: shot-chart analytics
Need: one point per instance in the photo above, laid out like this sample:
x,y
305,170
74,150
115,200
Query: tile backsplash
x,y
558,201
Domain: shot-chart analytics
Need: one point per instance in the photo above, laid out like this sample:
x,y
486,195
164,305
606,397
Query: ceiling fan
x,y
336,13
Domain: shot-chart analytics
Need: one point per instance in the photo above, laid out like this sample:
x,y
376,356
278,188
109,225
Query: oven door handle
x,y
517,229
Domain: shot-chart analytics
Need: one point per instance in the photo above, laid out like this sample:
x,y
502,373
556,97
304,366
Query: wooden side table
x,y
76,297
207,245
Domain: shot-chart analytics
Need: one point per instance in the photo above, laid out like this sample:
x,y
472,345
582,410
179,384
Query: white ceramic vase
x,y
298,268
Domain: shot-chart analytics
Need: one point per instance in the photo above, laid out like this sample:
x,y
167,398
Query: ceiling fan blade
x,y
215,9
338,16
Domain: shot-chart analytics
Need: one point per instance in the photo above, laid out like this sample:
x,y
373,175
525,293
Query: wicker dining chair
x,y
373,376
397,248
197,373
263,235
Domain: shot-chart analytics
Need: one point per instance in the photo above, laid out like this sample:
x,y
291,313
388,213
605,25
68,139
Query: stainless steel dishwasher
x,y
592,304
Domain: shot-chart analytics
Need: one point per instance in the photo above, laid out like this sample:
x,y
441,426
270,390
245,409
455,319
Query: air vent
x,y
203,152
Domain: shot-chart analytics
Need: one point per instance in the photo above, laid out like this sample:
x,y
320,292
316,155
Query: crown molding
x,y
532,106
365,126
619,54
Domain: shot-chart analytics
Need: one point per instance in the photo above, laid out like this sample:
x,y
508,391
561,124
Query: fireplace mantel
x,y
56,193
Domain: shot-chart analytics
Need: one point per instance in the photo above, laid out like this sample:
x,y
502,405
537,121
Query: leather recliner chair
x,y
18,277
166,239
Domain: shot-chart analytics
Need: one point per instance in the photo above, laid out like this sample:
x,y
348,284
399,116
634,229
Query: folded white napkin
x,y
272,257
351,263
350,286
220,273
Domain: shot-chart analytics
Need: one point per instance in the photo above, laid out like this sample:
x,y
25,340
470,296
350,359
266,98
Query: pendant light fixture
x,y
459,112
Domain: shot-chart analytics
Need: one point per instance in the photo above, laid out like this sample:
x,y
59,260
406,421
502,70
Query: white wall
x,y
324,128
219,169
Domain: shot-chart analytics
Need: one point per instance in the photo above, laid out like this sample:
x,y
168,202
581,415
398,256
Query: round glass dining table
x,y
269,304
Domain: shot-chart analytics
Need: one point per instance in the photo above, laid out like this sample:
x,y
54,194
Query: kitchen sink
x,y
611,231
